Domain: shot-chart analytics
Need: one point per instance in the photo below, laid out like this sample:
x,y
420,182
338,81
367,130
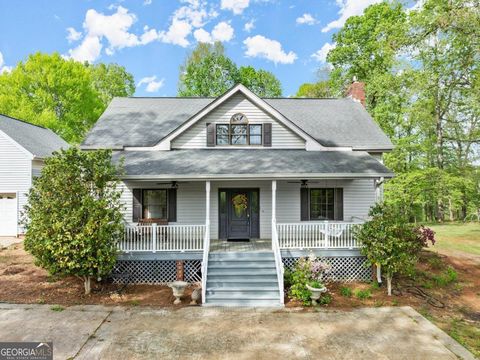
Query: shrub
x,y
390,242
311,271
363,294
73,215
346,291
447,277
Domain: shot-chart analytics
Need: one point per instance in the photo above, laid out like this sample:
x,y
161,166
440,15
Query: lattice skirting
x,y
154,271
344,269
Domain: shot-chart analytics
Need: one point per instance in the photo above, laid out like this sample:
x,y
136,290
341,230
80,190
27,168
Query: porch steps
x,y
242,279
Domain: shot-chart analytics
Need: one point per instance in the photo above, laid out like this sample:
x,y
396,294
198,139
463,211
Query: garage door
x,y
8,215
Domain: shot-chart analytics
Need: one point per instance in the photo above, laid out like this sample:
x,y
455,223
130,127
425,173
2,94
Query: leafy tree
x,y
320,89
261,82
74,215
209,72
63,95
421,70
390,242
111,80
367,45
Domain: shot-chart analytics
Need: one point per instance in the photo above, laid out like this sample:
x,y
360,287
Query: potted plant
x,y
316,290
306,280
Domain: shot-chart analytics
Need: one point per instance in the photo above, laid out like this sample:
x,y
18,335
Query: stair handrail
x,y
278,260
206,250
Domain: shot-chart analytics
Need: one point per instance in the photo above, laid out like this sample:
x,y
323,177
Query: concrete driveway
x,y
6,241
96,332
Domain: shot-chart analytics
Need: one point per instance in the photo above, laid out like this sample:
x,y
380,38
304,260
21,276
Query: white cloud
x,y
193,14
177,33
223,32
236,6
114,28
249,26
321,55
306,19
203,36
3,67
260,46
73,35
152,85
89,50
147,2
348,8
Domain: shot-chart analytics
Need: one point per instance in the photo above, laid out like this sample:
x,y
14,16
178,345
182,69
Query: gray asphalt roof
x,y
145,121
39,141
197,163
334,122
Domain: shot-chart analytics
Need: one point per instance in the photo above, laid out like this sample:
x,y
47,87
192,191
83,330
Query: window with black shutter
x,y
320,204
154,204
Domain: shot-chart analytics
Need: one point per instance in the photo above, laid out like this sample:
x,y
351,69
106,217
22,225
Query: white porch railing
x,y
313,235
155,238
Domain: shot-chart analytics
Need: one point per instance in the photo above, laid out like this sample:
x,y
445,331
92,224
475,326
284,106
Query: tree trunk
x,y
86,284
450,209
389,284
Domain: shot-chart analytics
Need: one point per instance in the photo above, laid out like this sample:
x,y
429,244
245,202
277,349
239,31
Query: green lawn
x,y
458,237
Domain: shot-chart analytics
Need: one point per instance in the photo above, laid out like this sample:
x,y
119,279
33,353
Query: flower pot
x,y
196,295
178,288
316,293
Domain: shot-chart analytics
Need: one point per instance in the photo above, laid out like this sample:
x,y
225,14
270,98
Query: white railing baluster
x,y
155,238
312,235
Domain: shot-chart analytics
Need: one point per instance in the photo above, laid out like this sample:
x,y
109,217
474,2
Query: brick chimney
x,y
356,91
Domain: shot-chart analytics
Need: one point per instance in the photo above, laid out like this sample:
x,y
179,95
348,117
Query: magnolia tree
x,y
73,217
392,243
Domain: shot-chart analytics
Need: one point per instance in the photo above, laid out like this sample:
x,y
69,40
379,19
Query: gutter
x,y
298,176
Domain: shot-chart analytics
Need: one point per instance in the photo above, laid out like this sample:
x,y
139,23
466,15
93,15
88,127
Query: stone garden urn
x,y
196,293
316,293
178,288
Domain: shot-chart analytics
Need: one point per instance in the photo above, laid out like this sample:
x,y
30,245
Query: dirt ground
x,y
23,282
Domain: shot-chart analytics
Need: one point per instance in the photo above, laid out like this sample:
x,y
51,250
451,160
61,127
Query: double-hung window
x,y
155,204
238,134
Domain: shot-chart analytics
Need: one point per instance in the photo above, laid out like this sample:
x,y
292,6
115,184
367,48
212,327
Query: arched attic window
x,y
239,132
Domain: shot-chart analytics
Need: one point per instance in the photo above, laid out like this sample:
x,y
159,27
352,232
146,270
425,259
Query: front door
x,y
240,218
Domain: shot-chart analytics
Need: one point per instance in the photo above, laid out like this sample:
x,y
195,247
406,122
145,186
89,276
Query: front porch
x,y
268,224
158,239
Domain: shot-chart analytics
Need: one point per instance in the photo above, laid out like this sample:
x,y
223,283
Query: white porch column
x,y
207,209
274,208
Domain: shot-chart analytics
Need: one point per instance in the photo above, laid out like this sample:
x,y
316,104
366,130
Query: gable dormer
x,y
238,123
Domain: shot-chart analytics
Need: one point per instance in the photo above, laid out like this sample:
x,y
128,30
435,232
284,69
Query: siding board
x,y
15,172
195,136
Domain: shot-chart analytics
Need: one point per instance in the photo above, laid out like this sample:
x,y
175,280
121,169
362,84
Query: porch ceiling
x,y
249,163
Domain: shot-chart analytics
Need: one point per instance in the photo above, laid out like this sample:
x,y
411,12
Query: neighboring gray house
x,y
23,147
229,189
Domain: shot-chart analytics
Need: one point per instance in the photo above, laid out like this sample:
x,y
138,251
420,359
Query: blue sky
x,y
152,38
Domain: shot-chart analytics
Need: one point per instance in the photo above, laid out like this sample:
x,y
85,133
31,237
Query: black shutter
x,y
338,212
137,205
267,134
304,204
210,135
172,205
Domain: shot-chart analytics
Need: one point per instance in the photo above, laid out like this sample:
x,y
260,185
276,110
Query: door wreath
x,y
240,204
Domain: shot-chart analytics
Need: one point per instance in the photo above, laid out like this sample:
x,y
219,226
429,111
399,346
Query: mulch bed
x,y
23,282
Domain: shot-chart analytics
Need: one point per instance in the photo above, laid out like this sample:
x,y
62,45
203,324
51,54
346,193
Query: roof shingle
x,y
37,140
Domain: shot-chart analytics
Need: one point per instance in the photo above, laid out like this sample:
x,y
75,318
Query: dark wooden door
x,y
239,214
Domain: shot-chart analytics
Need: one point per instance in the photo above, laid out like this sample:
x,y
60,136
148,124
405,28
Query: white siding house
x,y
238,187
23,147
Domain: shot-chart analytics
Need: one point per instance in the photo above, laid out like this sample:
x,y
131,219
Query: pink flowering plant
x,y
307,271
